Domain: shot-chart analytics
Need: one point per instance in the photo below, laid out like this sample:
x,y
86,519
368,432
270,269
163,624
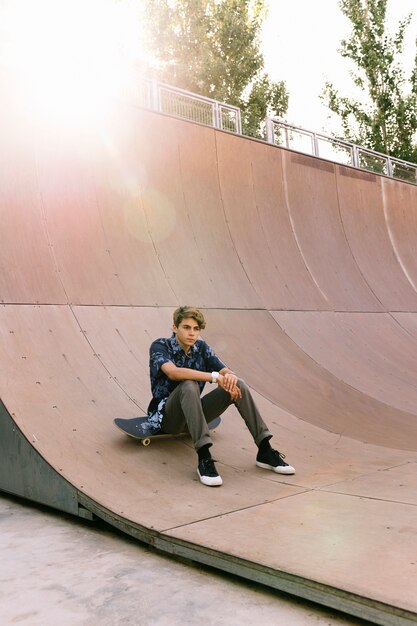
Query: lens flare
x,y
68,60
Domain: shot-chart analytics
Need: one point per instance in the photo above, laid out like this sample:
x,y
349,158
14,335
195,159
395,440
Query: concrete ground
x,y
56,569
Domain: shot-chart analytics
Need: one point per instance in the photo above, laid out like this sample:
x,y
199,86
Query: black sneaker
x,y
274,460
208,474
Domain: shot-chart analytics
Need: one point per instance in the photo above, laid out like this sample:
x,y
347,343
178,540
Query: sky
x,y
300,43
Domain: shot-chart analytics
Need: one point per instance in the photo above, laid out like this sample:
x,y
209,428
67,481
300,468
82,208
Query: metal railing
x,y
281,133
164,98
152,94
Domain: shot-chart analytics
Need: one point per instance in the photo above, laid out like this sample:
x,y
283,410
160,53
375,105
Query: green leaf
x,y
386,117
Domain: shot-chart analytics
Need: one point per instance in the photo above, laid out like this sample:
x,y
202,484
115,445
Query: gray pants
x,y
185,410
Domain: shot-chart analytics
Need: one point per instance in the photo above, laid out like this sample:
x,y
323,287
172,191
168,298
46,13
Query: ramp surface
x,y
307,274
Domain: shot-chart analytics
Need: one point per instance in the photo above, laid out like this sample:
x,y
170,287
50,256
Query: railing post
x,y
155,99
315,145
238,122
389,167
216,115
355,156
269,130
219,116
287,139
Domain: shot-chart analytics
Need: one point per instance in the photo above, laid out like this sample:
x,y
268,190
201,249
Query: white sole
x,y
210,481
279,469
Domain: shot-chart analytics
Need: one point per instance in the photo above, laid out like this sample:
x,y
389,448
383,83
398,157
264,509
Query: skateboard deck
x,y
140,428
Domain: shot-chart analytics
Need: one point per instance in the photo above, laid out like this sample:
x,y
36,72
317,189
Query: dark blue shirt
x,y
199,357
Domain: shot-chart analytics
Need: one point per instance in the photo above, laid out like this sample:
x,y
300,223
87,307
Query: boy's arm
x,y
226,370
227,379
184,373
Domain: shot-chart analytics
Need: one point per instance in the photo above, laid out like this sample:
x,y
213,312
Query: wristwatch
x,y
214,377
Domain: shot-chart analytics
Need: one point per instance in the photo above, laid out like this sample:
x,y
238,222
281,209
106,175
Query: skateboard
x,y
140,428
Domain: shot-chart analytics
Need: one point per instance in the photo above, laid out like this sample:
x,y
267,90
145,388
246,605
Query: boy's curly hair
x,y
189,311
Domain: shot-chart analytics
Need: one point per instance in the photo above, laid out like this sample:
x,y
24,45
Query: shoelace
x,y
280,455
208,466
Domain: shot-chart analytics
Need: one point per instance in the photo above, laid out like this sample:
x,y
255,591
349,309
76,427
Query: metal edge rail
x,y
384,164
170,100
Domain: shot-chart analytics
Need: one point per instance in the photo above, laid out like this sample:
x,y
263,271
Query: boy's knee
x,y
190,386
244,389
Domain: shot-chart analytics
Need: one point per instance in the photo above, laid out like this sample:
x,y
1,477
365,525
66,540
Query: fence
x,y
164,98
283,134
180,103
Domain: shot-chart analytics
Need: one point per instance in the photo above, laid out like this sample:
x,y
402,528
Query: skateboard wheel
x,y
146,442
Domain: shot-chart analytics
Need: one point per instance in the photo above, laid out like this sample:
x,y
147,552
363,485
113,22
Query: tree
x,y
386,119
212,47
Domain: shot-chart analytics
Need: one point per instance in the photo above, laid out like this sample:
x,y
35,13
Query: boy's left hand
x,y
230,385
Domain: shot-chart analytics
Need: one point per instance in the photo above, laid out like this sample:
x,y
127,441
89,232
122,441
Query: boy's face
x,y
187,333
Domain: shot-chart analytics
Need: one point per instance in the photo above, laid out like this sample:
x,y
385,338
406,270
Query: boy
x,y
179,368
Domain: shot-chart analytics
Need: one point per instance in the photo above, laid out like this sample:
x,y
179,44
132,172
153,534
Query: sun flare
x,y
69,59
